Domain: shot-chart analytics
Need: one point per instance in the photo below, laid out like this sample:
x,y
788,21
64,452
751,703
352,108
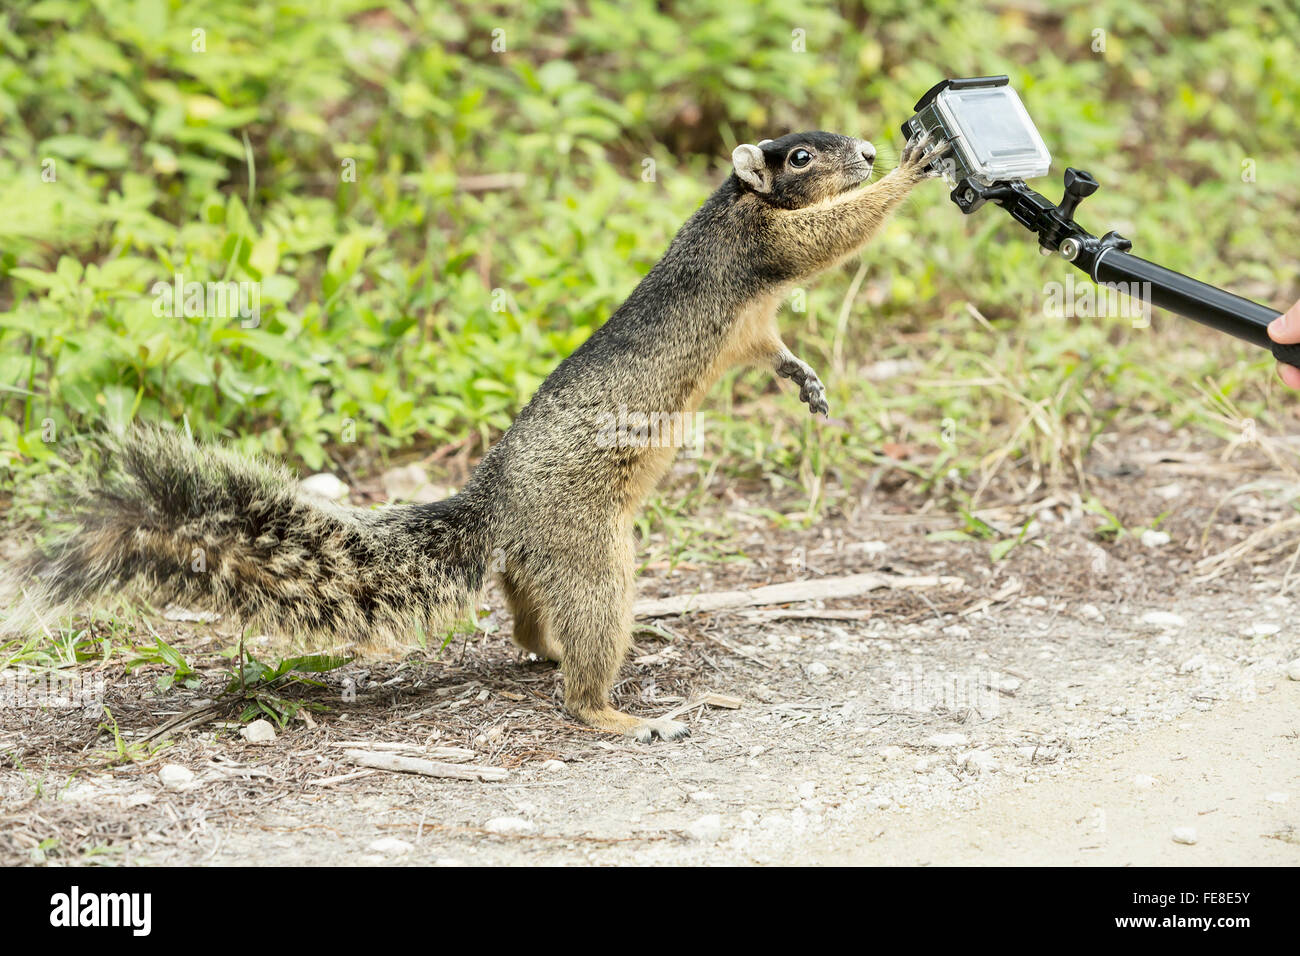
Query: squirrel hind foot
x,y
648,730
643,730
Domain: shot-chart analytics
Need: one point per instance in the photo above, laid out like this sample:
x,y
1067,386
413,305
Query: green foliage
x,y
123,752
178,668
260,686
334,154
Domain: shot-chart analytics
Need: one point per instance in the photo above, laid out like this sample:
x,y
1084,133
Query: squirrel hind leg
x,y
592,624
530,624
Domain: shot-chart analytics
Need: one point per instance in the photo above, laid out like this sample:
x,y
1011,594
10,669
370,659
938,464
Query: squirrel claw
x,y
813,394
811,390
922,150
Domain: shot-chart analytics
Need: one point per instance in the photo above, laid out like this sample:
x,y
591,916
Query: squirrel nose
x,y
866,151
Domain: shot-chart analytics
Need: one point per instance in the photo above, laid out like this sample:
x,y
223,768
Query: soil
x,y
1074,701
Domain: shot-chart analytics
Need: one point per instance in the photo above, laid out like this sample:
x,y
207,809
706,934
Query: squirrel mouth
x,y
863,177
863,174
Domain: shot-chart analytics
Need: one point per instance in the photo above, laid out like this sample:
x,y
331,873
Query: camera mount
x,y
995,142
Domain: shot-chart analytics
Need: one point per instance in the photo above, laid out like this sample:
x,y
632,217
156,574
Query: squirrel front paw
x,y
921,150
811,390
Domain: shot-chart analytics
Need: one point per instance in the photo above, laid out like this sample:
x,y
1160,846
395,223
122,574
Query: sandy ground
x,y
1072,703
1223,773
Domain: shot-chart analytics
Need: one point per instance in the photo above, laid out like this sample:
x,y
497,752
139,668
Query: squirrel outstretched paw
x,y
921,150
811,390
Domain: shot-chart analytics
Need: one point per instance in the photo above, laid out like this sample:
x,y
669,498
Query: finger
x,y
1289,374
1285,329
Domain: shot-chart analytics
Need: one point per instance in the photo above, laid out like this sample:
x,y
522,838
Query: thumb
x,y
1285,329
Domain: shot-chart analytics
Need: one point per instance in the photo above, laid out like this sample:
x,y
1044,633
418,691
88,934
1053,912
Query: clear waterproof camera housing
x,y
993,139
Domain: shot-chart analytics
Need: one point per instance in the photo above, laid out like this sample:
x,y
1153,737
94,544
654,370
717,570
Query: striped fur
x,y
208,528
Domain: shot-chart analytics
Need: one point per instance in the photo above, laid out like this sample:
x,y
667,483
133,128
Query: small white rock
x,y
1185,835
324,485
706,828
959,631
1089,612
1293,670
980,761
818,669
1152,538
703,796
1006,683
410,483
258,732
1163,619
1192,664
946,740
175,777
391,846
889,752
508,825
807,789
1262,629
552,766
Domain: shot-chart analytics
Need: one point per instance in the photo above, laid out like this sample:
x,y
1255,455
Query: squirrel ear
x,y
751,167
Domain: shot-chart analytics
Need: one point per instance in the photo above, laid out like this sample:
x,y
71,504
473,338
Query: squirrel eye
x,y
799,158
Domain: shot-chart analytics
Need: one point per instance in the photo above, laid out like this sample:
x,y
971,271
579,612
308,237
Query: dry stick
x,y
805,614
1005,593
739,652
1217,564
790,592
427,768
709,700
341,778
449,754
184,721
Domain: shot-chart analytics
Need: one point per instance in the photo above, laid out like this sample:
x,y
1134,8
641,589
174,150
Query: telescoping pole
x,y
1184,295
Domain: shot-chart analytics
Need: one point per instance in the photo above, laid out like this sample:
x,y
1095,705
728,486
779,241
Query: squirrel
x,y
550,507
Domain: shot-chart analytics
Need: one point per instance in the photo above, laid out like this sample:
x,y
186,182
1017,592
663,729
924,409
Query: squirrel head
x,y
803,169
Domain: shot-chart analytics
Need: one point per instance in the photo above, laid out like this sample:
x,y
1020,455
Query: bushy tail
x,y
211,529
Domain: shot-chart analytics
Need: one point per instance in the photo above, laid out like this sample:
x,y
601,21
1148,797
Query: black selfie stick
x,y
1107,260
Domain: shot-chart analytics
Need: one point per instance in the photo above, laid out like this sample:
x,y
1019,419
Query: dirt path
x,y
1230,775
